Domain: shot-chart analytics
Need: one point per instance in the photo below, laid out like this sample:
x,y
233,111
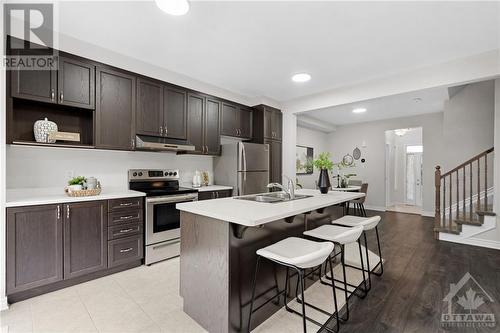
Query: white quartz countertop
x,y
44,196
209,188
252,213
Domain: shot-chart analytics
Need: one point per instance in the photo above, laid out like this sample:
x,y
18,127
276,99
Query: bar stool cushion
x,y
299,252
335,233
367,223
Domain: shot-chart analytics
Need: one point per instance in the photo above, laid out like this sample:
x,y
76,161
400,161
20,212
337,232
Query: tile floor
x,y
131,301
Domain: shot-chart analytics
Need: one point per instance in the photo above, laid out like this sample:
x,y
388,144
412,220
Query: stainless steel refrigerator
x,y
245,166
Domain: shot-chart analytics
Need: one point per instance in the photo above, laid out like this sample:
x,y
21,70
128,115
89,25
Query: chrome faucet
x,y
290,190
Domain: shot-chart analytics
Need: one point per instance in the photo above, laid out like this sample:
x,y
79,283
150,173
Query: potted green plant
x,y
324,164
76,183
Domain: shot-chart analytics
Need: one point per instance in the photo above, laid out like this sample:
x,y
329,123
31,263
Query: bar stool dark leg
x,y
334,294
301,277
253,292
342,259
379,255
365,288
367,261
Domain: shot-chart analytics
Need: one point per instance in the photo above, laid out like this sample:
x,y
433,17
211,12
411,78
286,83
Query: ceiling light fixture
x,y
301,77
173,7
401,131
359,110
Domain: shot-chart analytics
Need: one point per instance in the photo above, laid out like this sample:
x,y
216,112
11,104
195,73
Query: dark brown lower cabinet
x,y
207,195
85,238
54,246
34,247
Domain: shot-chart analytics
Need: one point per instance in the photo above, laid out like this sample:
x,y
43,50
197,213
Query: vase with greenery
x,y
76,183
324,164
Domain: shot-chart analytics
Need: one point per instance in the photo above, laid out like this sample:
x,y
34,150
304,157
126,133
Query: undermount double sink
x,y
273,197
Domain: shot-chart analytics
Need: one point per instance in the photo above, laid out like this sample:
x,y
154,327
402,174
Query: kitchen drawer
x,y
124,250
124,230
128,216
118,205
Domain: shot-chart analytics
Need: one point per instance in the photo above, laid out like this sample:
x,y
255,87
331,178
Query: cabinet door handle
x,y
67,212
133,143
217,194
127,217
126,250
161,130
126,204
125,230
52,94
61,96
58,212
165,129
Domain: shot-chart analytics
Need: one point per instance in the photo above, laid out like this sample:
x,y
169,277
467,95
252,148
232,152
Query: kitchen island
x,y
219,239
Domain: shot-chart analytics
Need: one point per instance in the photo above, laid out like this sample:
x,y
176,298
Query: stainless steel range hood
x,y
153,143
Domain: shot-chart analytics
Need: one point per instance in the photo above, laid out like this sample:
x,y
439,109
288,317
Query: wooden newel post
x,y
437,203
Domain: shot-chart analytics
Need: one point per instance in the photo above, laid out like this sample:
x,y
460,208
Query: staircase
x,y
463,198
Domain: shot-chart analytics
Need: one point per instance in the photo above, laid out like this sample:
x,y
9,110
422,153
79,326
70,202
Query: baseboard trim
x,y
476,242
428,214
4,305
377,208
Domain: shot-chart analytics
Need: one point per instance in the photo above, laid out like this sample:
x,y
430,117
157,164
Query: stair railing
x,y
445,192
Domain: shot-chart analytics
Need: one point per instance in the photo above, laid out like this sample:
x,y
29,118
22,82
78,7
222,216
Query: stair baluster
x,y
444,218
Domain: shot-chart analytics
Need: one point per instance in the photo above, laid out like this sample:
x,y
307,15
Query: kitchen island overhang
x,y
219,239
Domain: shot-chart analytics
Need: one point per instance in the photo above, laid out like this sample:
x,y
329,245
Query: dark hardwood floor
x,y
417,275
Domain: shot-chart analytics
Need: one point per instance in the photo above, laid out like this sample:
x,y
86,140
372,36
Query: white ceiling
x,y
252,48
402,105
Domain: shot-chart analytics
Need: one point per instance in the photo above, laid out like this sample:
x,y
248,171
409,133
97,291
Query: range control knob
x,y
140,174
170,173
166,173
135,174
175,173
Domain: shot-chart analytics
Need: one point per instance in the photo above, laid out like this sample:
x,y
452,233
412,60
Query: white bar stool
x,y
368,223
340,236
298,254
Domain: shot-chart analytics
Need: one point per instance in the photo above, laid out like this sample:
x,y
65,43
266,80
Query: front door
x,y
414,179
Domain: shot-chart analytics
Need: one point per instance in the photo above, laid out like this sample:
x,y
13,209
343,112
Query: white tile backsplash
x,y
50,167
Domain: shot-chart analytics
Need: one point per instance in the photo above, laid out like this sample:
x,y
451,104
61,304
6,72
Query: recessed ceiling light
x,y
359,110
417,100
301,77
173,7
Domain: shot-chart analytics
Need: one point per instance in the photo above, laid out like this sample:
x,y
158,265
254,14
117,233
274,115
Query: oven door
x,y
163,219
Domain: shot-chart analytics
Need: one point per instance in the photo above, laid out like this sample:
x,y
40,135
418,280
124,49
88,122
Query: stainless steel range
x,y
162,218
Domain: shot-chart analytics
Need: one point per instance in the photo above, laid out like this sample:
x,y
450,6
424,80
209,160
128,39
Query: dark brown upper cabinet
x,y
196,107
203,124
161,110
267,124
34,247
212,127
76,83
85,238
275,161
236,121
40,86
149,118
115,109
73,84
175,113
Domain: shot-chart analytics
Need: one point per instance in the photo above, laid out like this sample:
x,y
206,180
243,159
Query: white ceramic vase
x,y
42,128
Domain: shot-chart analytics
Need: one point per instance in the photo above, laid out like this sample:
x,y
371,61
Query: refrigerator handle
x,y
243,156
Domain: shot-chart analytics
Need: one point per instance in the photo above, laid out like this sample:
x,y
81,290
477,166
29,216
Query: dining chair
x,y
355,182
359,207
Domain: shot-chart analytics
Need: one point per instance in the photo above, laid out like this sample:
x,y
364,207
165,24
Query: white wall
x,y
3,298
346,138
396,163
319,142
468,123
49,167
